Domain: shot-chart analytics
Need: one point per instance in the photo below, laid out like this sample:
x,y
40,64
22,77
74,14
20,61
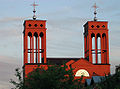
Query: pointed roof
x,y
82,62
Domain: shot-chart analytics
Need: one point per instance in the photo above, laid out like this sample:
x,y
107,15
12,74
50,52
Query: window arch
x,y
93,47
99,47
35,47
103,35
41,46
92,35
82,72
35,34
29,47
41,34
30,34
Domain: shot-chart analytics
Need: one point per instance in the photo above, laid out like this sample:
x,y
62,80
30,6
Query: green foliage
x,y
110,82
55,77
19,83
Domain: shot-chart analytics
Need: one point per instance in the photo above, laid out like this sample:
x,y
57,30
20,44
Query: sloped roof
x,y
82,62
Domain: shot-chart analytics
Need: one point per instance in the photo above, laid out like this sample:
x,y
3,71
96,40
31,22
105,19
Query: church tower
x,y
34,43
96,45
96,42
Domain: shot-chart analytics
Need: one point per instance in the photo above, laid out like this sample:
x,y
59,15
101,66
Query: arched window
x,y
104,40
41,46
93,47
29,47
82,72
35,47
99,47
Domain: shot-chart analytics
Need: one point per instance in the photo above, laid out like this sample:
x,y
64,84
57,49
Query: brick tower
x,y
34,43
96,45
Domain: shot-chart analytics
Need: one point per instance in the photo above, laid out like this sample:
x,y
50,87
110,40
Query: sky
x,y
65,20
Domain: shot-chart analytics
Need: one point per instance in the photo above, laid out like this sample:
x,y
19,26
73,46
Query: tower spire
x,y
95,12
34,10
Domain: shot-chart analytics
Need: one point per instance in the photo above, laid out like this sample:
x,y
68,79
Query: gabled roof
x,y
82,62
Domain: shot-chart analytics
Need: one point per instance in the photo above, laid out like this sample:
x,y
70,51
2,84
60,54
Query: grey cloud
x,y
11,19
7,70
10,32
10,59
65,37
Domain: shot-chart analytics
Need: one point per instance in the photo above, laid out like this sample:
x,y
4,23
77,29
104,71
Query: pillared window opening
x,y
35,47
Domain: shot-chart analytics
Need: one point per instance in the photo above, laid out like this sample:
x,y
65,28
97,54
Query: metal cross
x,y
95,7
34,5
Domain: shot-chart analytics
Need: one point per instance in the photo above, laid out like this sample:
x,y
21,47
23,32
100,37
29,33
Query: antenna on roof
x,y
95,12
34,11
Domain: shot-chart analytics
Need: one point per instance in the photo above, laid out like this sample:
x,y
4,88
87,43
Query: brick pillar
x,y
38,49
96,55
33,49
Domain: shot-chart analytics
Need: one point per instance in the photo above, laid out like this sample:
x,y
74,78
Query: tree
x,y
19,84
110,82
55,77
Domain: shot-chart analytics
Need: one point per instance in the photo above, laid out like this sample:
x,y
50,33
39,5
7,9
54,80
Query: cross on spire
x,y
95,12
34,11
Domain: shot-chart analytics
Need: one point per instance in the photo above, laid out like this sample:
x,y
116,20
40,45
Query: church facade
x,y
96,49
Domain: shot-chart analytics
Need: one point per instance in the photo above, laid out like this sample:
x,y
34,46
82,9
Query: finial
x,y
34,11
95,7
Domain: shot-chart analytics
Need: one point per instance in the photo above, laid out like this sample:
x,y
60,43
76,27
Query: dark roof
x,y
60,61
